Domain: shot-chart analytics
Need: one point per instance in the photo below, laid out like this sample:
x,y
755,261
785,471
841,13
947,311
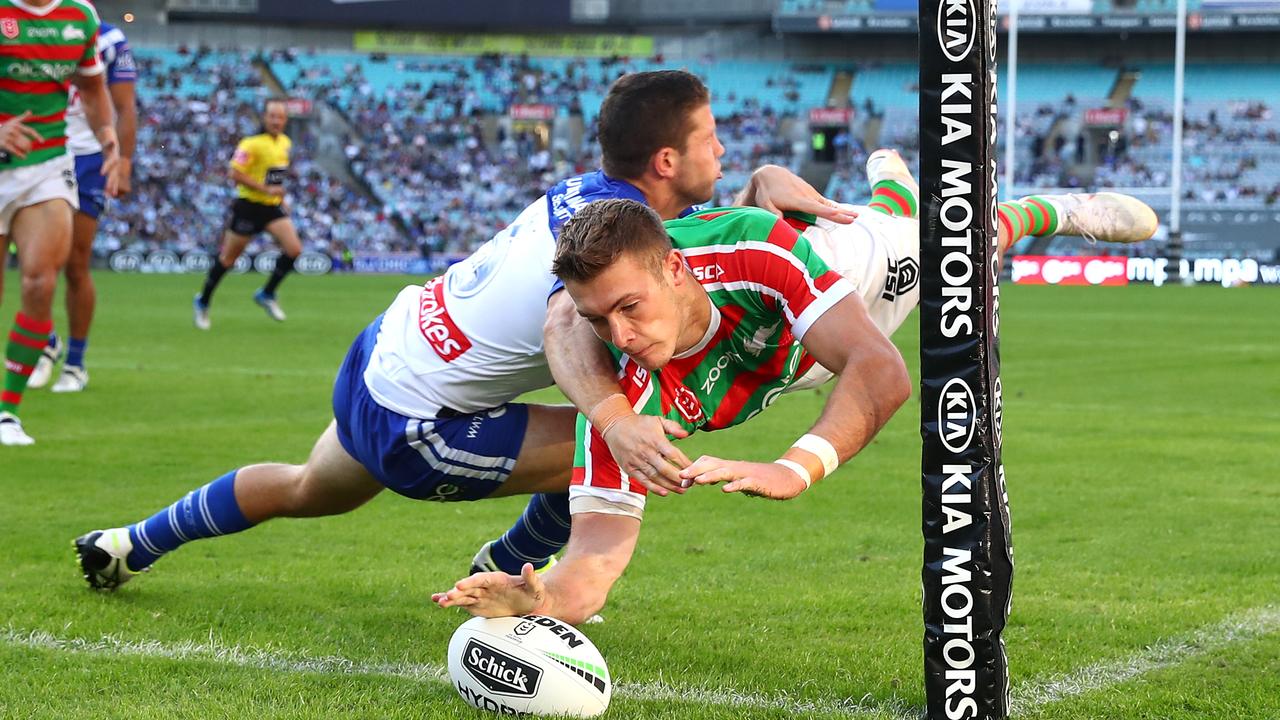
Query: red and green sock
x,y
26,341
893,198
1034,216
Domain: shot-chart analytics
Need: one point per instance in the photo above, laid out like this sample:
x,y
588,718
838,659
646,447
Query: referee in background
x,y
258,169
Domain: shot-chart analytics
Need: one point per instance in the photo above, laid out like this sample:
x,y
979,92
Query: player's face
x,y
275,117
699,164
633,309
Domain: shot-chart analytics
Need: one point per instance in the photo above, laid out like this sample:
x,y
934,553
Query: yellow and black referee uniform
x,y
265,158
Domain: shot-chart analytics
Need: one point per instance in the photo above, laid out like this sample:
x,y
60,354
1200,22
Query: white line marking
x,y
1167,652
280,660
1028,696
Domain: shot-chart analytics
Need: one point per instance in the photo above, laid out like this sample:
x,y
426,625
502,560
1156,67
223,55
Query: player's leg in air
x,y
510,450
82,296
286,236
42,232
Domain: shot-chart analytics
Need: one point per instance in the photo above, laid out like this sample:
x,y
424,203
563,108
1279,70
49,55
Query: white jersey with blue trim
x,y
471,339
117,58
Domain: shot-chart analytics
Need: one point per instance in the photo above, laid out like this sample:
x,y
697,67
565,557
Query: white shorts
x,y
880,255
26,186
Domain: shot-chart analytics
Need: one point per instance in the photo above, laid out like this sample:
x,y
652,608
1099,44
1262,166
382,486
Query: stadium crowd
x,y
437,170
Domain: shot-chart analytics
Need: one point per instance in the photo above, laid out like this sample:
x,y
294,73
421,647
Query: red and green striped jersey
x,y
41,48
767,287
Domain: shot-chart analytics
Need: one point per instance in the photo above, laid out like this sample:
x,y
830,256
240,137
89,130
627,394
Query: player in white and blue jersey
x,y
424,401
122,76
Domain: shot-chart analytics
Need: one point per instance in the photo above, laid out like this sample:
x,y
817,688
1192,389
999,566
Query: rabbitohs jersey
x,y
42,48
767,287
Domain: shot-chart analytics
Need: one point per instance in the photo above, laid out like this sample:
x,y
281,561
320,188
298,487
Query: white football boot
x,y
200,314
102,556
1104,216
73,379
885,164
269,304
49,357
11,432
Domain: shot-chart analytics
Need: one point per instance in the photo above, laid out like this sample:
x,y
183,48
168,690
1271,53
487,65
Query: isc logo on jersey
x,y
438,329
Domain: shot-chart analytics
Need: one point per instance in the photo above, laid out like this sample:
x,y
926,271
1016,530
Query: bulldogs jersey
x,y
471,339
767,287
117,58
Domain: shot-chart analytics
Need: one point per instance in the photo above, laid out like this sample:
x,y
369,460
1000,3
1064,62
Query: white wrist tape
x,y
821,447
796,468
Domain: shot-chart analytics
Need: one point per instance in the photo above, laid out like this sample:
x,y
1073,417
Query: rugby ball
x,y
532,664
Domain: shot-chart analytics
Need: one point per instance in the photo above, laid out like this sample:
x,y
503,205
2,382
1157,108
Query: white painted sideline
x,y
1027,696
1168,652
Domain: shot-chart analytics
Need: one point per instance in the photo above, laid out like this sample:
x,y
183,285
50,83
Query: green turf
x,y
1141,435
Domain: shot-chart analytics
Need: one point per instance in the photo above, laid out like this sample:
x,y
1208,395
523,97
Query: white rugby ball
x,y
532,664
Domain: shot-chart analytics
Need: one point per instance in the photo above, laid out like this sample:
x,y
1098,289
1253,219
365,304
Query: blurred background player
x,y
43,57
258,169
82,297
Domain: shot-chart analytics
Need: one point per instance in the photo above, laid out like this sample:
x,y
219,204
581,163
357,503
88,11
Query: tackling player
x,y
423,404
121,76
47,46
258,169
709,319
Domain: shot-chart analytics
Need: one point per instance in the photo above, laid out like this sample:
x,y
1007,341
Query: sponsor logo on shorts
x,y
498,672
439,330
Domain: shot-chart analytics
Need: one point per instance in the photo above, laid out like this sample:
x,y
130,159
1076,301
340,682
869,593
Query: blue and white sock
x,y
75,351
540,532
208,511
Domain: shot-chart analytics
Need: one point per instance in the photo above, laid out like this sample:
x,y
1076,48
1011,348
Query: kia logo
x,y
956,415
265,262
956,28
313,263
197,261
125,261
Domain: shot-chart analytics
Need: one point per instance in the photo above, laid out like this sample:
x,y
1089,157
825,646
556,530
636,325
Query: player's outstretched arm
x,y
574,589
778,190
873,383
584,371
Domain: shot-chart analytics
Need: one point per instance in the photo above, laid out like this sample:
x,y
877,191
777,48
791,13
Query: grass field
x,y
1142,431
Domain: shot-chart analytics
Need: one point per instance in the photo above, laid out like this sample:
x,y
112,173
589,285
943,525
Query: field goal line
x,y
1029,695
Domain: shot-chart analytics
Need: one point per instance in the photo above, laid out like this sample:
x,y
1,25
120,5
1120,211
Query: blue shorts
x,y
458,457
93,185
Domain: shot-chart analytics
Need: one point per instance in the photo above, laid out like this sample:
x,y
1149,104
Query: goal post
x,y
968,555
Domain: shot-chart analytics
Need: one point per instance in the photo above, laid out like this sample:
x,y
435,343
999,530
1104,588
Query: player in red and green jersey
x,y
709,319
46,46
734,348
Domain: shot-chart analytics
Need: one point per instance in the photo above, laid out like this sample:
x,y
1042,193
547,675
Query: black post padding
x,y
968,555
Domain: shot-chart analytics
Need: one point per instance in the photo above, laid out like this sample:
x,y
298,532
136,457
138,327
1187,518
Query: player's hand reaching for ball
x,y
767,480
496,594
640,446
